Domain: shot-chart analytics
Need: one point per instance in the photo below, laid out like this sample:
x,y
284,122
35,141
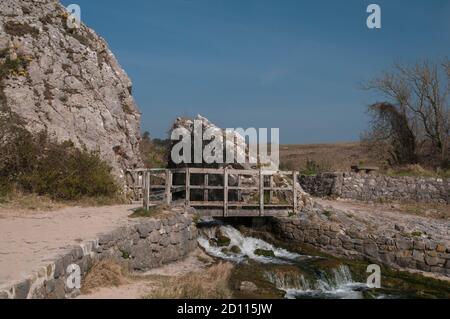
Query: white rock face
x,y
72,86
239,146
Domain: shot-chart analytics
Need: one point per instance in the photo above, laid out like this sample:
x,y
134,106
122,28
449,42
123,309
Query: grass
x,y
17,200
152,212
311,159
326,157
210,284
106,273
416,171
434,210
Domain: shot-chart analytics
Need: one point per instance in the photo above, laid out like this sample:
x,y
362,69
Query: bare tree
x,y
419,100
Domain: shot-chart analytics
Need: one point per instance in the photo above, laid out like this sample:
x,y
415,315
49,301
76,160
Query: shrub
x,y
312,168
20,29
35,163
155,152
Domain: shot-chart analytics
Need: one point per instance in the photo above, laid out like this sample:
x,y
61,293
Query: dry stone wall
x,y
335,233
147,244
368,187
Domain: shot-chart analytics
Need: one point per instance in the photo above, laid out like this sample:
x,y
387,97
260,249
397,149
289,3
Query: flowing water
x,y
278,272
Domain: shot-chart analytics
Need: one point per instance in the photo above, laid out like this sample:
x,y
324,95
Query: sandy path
x,y
29,239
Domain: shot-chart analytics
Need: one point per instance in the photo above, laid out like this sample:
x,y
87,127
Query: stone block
x,y
104,239
404,244
144,229
371,249
418,255
22,289
431,261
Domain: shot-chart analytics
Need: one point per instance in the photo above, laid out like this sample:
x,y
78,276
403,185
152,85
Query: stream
x,y
280,272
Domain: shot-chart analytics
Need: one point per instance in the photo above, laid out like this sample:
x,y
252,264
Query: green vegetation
x,y
416,234
125,254
20,29
235,250
152,212
313,168
36,164
12,67
416,170
264,253
222,240
154,152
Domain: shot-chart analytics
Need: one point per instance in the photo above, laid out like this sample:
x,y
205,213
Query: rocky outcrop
x,y
233,142
66,81
368,187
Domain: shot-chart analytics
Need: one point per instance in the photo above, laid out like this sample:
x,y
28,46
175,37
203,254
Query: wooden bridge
x,y
210,193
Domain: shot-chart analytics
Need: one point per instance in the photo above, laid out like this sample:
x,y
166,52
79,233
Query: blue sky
x,y
292,64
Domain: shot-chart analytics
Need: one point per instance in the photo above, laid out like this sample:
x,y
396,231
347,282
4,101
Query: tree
x,y
418,103
391,133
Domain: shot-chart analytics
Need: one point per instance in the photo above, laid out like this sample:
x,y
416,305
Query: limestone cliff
x,y
66,81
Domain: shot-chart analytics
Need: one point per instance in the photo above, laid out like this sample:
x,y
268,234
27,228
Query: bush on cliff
x,y
35,163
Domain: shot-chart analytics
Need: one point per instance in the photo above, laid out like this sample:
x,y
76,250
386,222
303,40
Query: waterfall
x,y
247,247
337,284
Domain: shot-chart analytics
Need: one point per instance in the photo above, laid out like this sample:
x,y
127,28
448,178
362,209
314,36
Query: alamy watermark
x,y
374,19
74,18
374,279
214,145
73,280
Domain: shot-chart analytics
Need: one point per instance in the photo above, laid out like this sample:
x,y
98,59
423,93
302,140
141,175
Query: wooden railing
x,y
225,207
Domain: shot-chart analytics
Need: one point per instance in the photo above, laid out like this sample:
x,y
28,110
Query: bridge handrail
x,y
146,186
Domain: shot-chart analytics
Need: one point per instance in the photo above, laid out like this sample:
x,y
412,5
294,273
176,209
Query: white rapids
x,y
338,285
247,246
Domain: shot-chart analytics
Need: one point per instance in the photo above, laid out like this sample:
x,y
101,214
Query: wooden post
x,y
205,191
294,180
271,191
168,191
188,186
225,192
261,193
146,193
149,183
239,192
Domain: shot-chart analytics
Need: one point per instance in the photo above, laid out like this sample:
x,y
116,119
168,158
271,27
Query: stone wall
x,y
146,244
370,187
336,234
